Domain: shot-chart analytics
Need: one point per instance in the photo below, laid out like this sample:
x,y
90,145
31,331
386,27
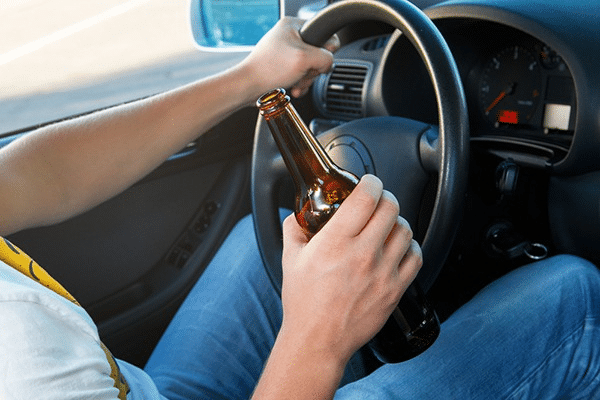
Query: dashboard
x,y
520,92
529,69
523,69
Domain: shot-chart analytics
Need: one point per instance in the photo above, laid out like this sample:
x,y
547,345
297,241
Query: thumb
x,y
294,238
333,44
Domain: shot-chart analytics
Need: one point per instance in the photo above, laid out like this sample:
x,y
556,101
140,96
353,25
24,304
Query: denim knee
x,y
568,269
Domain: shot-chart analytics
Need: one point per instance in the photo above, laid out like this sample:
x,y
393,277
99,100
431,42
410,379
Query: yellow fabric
x,y
16,258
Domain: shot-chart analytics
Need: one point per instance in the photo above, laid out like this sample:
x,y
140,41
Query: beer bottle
x,y
321,186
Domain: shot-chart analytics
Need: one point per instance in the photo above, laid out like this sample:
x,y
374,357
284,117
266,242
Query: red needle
x,y
510,89
495,102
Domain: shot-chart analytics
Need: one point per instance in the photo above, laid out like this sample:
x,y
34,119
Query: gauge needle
x,y
508,91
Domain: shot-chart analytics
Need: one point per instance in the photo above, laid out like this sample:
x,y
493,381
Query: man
x,y
233,337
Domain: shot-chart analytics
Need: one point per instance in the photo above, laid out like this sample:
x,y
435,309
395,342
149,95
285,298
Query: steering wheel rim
x,y
447,154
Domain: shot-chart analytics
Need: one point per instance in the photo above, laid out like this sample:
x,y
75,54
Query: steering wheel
x,y
405,154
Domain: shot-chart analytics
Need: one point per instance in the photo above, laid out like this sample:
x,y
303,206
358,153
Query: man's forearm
x,y
67,168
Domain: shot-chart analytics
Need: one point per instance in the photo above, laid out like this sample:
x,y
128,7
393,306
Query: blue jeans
x,y
533,334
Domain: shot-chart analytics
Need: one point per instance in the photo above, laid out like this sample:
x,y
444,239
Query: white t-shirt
x,y
50,348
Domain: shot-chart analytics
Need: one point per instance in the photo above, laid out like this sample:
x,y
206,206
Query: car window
x,y
60,58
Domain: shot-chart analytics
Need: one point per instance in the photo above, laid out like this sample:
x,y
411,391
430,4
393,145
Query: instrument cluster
x,y
523,88
517,87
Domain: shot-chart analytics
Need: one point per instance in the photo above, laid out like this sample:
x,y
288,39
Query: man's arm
x,y
338,291
67,168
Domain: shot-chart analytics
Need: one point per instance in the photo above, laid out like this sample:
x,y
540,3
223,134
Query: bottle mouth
x,y
272,101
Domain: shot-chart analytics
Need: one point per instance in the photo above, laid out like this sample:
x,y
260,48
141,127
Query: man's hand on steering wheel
x,y
282,59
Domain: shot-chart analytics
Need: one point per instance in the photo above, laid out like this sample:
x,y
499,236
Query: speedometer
x,y
510,87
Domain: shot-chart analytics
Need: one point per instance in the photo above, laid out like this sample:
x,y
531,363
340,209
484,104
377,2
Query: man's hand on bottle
x,y
340,287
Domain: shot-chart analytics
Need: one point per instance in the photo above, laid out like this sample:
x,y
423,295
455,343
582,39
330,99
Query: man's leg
x,y
219,340
533,334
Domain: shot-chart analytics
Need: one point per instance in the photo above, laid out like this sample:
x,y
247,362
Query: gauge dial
x,y
549,58
510,87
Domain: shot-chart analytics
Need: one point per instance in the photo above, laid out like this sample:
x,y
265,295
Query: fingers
x,y
321,58
322,61
391,236
356,211
384,220
302,86
400,247
410,265
370,215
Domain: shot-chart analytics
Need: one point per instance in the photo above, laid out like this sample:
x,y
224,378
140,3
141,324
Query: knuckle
x,y
405,229
366,258
390,201
365,200
417,254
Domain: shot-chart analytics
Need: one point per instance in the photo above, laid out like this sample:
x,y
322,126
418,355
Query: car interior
x,y
481,116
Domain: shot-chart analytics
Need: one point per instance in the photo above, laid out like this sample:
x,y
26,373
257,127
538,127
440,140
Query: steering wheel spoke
x,y
430,150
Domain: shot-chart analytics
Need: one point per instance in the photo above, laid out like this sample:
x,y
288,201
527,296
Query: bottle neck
x,y
303,155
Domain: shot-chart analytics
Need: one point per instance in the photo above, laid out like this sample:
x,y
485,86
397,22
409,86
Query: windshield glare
x,y
61,58
66,57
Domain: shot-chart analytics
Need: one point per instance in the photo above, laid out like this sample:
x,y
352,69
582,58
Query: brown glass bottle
x,y
321,186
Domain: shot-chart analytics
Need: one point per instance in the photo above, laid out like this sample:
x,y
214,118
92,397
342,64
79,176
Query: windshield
x,y
66,57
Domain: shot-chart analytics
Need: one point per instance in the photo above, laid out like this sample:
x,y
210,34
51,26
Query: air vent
x,y
344,92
